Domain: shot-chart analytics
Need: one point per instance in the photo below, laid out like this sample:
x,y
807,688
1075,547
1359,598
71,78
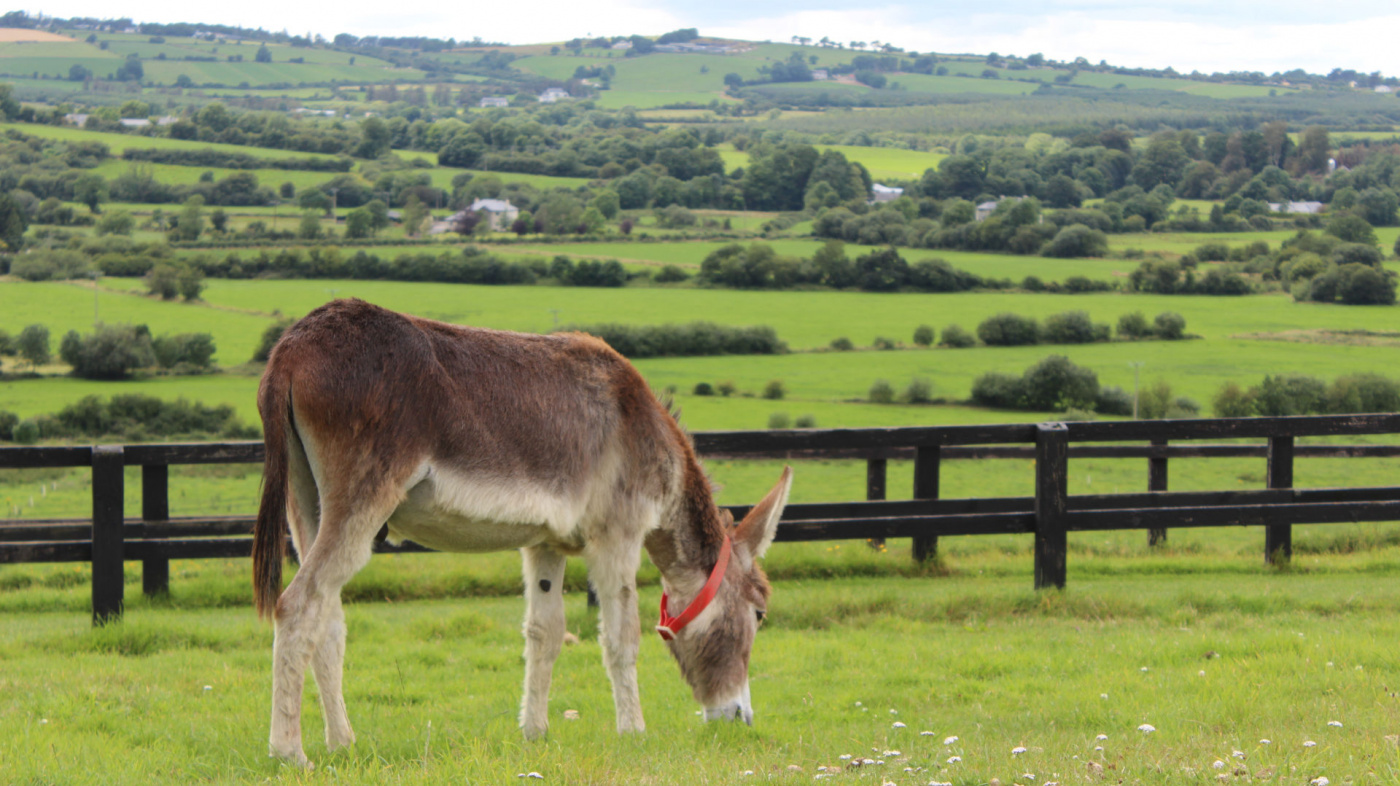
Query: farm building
x,y
884,193
985,209
554,94
499,212
494,101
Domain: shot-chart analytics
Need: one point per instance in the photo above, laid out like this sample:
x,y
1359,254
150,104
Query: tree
x,y
1351,228
13,222
414,214
923,335
375,138
33,345
191,220
110,352
1313,150
78,73
310,226
733,80
359,223
264,55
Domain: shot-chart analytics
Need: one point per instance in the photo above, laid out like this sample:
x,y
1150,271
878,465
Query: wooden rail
x,y
108,539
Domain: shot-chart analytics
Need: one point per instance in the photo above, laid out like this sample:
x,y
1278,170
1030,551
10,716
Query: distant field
x,y
120,142
883,162
952,84
12,35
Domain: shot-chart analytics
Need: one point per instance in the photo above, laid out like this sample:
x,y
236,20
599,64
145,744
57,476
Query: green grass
x,y
890,163
924,83
120,142
1215,660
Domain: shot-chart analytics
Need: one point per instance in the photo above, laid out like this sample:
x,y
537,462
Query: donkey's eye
x,y
760,613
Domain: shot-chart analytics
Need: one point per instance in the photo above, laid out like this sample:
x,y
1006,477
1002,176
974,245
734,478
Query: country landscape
x,y
781,235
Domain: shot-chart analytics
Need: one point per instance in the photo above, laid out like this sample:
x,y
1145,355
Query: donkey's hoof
x,y
295,758
535,732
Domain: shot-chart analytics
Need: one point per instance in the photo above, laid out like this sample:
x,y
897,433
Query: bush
x,y
774,390
270,336
725,388
881,392
8,422
1073,327
27,433
1076,240
1056,384
923,335
109,352
779,420
703,389
1134,326
1290,394
842,344
957,338
1169,326
1363,392
187,351
1002,391
805,421
1232,401
689,340
920,391
670,274
138,417
33,345
1008,330
1114,401
883,343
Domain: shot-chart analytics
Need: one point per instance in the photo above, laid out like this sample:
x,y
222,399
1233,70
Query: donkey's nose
x,y
740,708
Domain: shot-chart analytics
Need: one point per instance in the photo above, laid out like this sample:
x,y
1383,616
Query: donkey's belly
x,y
448,517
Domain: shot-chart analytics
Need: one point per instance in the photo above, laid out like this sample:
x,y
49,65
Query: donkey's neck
x,y
687,543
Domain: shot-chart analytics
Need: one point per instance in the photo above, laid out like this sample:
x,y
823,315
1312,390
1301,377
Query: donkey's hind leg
x,y
327,664
308,613
544,633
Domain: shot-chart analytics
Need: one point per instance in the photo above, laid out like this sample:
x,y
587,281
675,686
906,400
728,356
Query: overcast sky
x,y
1209,35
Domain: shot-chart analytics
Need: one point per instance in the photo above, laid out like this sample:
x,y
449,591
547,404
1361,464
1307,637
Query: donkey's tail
x,y
270,532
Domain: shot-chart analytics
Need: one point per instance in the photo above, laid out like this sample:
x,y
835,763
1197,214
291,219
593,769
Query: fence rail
x,y
109,539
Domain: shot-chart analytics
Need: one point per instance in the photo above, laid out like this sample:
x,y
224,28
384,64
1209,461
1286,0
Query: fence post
x,y
1278,538
1051,489
108,547
155,507
876,471
1157,481
926,468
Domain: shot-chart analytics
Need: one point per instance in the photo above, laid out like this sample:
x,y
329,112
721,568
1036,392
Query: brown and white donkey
x,y
465,439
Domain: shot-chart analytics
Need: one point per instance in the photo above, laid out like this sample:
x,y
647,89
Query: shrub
x,y
270,336
919,391
805,421
1056,384
193,351
688,340
1363,392
779,420
1290,394
1212,252
670,274
1169,326
842,344
1008,330
140,417
1076,240
883,343
1232,401
1134,326
163,281
725,388
1154,400
1002,391
1032,284
109,352
8,422
703,389
881,392
923,335
26,433
774,390
1073,327
1114,401
33,345
954,336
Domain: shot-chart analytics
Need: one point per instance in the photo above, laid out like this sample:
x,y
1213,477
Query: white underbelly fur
x,y
449,512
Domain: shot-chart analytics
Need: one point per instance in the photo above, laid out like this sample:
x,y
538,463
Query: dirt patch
x,y
20,35
1359,338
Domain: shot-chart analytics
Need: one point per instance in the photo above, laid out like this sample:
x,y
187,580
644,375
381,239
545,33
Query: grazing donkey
x,y
463,439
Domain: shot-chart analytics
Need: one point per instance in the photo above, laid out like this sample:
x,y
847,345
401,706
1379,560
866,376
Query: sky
x,y
1205,35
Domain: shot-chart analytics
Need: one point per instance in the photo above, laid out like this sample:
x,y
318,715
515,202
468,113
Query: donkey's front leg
x,y
614,575
544,633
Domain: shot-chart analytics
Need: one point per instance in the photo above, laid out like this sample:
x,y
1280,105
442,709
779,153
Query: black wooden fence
x,y
109,539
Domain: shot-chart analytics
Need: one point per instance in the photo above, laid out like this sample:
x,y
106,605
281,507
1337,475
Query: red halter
x,y
669,627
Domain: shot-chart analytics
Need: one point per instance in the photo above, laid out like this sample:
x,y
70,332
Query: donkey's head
x,y
711,638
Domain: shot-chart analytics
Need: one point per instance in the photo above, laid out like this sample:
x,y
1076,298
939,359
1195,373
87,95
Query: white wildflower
x,y
925,734
1337,724
1238,754
1017,751
1320,780
1218,764
894,711
208,687
897,724
1101,737
949,740
570,714
1098,748
954,759
867,761
1309,744
1103,695
844,757
1266,741
1147,728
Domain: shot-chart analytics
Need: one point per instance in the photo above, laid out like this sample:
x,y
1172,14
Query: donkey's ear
x,y
758,528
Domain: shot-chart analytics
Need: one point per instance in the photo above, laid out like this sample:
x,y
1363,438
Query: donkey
x,y
464,439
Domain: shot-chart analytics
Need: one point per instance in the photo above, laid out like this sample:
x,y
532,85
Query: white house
x,y
135,122
622,45
496,101
884,193
985,210
1384,89
553,94
1304,208
820,75
500,213
75,119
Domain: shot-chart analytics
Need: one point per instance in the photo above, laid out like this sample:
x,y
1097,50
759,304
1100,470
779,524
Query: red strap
x,y
670,626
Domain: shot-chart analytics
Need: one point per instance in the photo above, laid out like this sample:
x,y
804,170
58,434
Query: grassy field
x,y
883,162
120,142
938,678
